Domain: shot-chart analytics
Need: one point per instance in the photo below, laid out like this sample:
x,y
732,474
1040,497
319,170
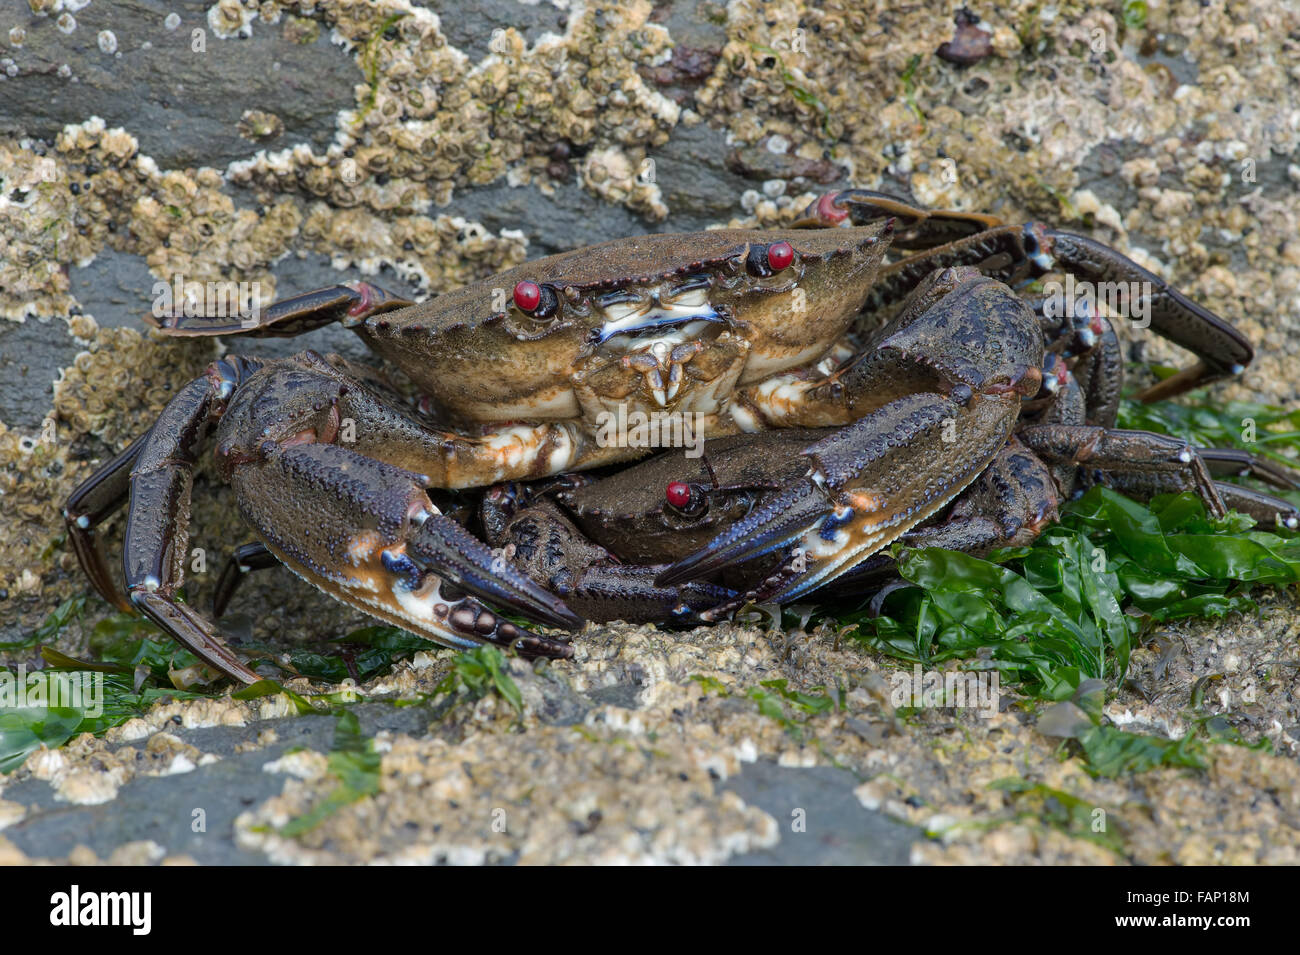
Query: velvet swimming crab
x,y
743,330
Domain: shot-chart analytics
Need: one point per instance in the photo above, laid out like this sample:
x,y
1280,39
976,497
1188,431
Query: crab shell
x,y
629,514
658,322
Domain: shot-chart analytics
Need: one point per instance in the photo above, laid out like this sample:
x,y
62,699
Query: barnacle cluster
x,y
417,131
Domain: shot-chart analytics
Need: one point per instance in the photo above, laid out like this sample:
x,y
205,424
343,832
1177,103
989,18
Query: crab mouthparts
x,y
634,319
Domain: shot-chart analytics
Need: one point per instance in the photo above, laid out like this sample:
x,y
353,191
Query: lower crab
x,y
693,523
922,411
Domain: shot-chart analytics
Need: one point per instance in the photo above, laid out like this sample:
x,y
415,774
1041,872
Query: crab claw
x,y
868,484
783,519
452,552
365,532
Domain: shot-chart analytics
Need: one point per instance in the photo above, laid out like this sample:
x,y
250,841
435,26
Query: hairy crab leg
x,y
93,502
349,304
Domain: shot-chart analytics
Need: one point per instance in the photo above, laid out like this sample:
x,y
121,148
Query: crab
x,y
742,330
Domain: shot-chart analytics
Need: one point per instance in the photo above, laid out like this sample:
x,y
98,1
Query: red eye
x,y
678,494
528,295
779,256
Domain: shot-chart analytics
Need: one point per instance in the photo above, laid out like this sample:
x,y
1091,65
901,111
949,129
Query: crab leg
x,y
349,304
916,227
306,439
1010,504
92,503
246,559
1015,253
1223,351
910,356
946,381
1227,462
379,429
868,484
157,531
1108,449
156,539
375,541
544,544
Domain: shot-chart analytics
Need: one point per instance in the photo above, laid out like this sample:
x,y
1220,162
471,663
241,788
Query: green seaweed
x,y
1070,607
478,672
354,763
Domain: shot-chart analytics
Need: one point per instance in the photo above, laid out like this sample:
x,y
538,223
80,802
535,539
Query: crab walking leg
x,y
916,228
157,532
349,305
1108,449
1268,511
1100,374
1237,462
1015,253
1223,351
246,559
93,502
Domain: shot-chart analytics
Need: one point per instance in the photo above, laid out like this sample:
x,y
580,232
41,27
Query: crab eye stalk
x,y
686,499
538,301
765,260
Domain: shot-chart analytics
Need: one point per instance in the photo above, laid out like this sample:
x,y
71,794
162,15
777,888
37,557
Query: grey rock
x,y
839,830
31,353
183,106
